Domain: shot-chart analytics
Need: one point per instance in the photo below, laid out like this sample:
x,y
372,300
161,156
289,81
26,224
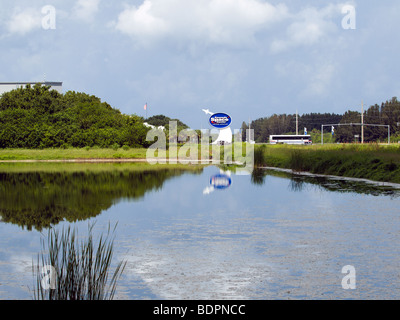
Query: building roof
x,y
32,82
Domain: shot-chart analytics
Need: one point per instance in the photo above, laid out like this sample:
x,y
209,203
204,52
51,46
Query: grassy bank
x,y
374,162
184,151
93,167
71,154
369,161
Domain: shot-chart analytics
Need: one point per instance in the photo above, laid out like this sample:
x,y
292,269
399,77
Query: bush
x,y
39,118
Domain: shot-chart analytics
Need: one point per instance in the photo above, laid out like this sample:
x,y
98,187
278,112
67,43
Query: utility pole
x,y
362,122
297,123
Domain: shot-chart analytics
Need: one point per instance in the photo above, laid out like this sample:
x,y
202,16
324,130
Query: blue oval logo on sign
x,y
220,120
221,181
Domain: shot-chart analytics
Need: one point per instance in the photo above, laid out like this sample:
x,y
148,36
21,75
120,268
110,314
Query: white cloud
x,y
141,22
231,22
24,21
86,9
321,80
308,27
312,79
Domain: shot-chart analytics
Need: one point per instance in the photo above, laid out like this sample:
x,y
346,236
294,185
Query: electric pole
x,y
297,123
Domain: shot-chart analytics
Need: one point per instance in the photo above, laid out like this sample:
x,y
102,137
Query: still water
x,y
207,234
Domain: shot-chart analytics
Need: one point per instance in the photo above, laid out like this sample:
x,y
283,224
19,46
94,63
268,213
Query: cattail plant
x,y
69,269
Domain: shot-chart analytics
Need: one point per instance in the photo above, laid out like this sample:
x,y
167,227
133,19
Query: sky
x,y
248,58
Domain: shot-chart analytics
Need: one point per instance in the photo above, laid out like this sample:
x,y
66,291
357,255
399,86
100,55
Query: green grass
x,y
369,161
71,154
99,153
91,167
81,268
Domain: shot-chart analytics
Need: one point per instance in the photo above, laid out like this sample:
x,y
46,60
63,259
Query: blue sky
x,y
248,58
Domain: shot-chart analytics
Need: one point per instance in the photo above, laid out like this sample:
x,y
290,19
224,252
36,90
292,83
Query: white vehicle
x,y
285,139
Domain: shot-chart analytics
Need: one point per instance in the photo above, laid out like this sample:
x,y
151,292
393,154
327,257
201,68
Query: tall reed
x,y
259,156
80,269
297,160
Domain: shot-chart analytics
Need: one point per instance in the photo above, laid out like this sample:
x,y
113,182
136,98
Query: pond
x,y
203,233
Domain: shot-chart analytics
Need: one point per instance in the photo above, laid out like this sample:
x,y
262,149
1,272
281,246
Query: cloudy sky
x,y
249,58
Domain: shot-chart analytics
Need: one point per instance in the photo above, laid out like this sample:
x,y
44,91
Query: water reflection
x,y
345,186
271,235
299,182
41,199
283,240
258,176
221,181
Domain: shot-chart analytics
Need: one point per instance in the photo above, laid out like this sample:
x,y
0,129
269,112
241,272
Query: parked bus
x,y
285,139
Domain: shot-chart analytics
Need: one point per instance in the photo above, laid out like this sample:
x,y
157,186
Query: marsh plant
x,y
259,156
73,269
297,160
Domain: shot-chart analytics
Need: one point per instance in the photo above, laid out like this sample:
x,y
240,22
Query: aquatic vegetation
x,y
80,269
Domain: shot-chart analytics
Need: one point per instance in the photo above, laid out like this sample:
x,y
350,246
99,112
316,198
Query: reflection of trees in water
x,y
298,183
258,176
38,200
349,186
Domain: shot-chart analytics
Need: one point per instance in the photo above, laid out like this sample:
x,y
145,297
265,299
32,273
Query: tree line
x,y
286,124
38,117
388,114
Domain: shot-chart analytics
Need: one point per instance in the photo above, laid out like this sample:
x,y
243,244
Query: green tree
x,y
37,117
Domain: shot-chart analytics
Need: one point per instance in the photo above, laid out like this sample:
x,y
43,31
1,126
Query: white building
x,y
9,86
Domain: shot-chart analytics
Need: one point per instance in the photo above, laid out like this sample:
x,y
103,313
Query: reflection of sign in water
x,y
220,120
221,181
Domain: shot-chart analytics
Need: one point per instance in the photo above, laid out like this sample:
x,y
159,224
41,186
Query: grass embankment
x,y
373,162
184,152
92,167
71,154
